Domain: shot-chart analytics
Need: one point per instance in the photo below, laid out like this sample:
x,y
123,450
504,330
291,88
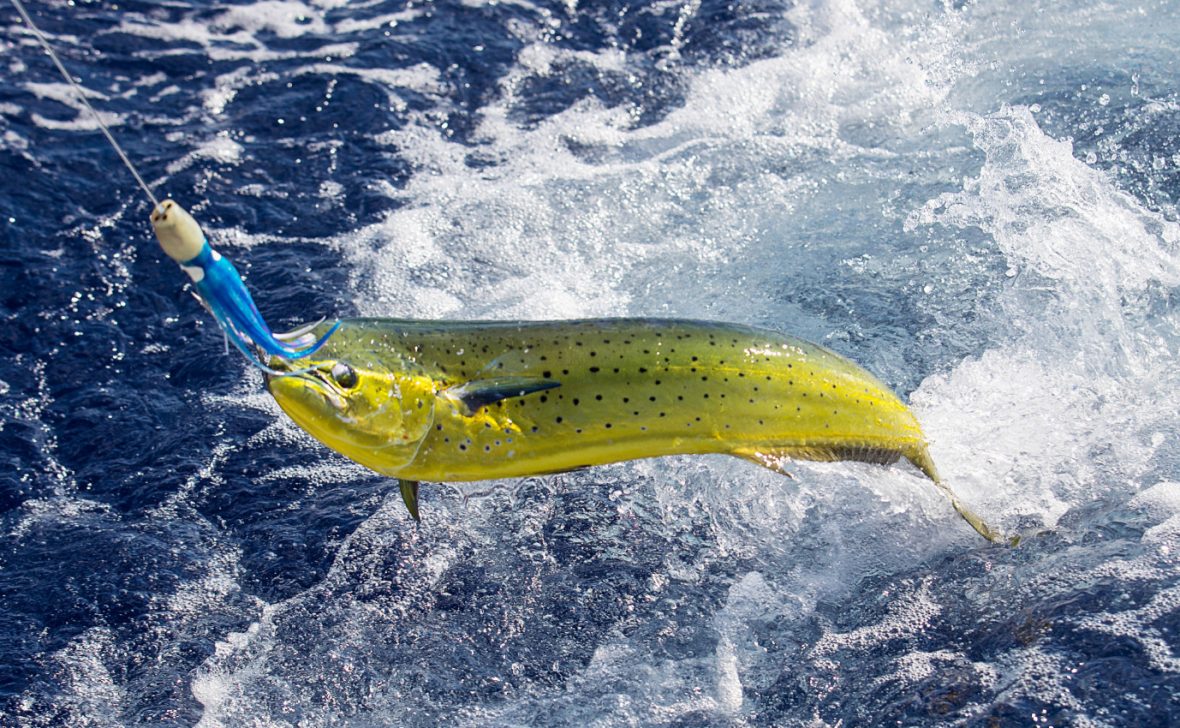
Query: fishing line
x,y
218,283
20,8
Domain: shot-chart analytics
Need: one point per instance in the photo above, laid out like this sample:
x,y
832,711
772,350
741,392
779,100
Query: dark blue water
x,y
978,202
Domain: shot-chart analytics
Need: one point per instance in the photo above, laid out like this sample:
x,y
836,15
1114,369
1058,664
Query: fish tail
x,y
920,457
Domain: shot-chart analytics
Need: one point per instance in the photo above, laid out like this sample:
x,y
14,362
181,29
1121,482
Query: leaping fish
x,y
464,401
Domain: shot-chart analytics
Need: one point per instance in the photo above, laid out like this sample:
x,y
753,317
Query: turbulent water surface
x,y
976,201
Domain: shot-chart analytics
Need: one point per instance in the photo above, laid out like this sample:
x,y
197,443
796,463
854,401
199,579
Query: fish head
x,y
369,411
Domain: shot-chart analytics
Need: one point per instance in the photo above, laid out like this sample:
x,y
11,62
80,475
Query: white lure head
x,y
179,234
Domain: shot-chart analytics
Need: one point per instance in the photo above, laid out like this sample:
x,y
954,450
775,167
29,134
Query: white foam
x,y
90,695
221,149
908,614
65,94
284,18
1043,677
1015,428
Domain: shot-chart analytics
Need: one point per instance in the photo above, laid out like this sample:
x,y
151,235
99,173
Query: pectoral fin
x,y
479,393
409,490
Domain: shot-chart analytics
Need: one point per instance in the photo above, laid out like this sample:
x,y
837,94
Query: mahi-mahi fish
x,y
463,401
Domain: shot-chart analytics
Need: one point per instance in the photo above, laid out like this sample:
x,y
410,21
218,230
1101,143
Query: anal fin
x,y
775,458
409,490
770,461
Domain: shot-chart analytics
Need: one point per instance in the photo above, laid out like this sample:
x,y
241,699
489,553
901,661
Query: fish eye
x,y
344,375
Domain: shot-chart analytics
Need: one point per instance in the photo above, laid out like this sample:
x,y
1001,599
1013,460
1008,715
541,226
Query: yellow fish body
x,y
461,401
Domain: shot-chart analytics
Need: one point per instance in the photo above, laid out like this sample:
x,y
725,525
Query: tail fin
x,y
921,459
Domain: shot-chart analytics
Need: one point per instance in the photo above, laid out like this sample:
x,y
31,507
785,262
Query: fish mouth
x,y
307,385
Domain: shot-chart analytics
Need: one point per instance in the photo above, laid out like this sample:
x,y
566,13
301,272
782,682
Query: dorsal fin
x,y
475,395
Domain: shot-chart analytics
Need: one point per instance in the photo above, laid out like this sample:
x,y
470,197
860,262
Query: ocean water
x,y
977,201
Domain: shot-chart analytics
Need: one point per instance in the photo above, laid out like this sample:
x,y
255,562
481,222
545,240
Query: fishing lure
x,y
219,285
476,400
220,288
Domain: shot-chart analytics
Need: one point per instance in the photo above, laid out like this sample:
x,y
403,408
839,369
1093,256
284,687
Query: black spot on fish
x,y
598,397
593,370
547,374
576,402
558,420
